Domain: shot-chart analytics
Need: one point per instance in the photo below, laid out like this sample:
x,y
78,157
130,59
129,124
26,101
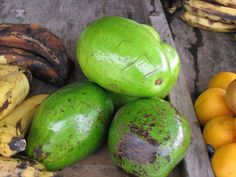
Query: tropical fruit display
x,y
216,15
122,103
215,110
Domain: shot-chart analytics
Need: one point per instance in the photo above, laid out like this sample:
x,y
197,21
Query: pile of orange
x,y
215,109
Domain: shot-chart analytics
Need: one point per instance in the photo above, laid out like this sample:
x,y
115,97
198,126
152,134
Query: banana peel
x,y
14,87
207,24
37,65
23,167
211,11
14,126
38,40
229,3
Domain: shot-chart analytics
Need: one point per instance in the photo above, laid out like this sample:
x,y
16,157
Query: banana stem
x,y
17,144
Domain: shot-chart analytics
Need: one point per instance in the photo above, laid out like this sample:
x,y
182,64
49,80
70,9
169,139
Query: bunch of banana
x,y
23,167
15,125
36,48
36,64
211,16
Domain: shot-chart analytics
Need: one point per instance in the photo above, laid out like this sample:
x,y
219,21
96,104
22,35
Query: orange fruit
x,y
230,96
219,131
224,161
222,80
211,103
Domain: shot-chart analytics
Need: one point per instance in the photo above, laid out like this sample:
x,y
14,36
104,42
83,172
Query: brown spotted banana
x,y
23,167
207,24
229,3
213,12
15,125
14,87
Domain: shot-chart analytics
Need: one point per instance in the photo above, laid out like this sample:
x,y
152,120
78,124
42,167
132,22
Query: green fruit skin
x,y
69,125
128,58
120,100
148,138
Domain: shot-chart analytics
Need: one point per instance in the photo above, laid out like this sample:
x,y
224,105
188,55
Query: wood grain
x,y
207,53
202,55
67,18
196,162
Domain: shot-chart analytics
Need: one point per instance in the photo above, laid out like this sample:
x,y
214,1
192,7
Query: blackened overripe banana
x,y
40,40
38,66
207,24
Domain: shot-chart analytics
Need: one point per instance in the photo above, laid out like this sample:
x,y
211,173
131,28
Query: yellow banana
x,y
23,167
206,24
6,69
230,3
10,142
14,87
15,125
211,11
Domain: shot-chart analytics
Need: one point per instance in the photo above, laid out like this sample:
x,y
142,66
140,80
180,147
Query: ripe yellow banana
x,y
10,142
14,87
6,69
230,3
206,24
16,124
211,11
23,167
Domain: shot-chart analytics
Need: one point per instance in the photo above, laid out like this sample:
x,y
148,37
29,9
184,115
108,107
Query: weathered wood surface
x,y
67,18
203,54
196,162
207,53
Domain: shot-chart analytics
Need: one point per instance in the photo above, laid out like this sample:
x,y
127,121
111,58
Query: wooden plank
x,y
196,161
207,53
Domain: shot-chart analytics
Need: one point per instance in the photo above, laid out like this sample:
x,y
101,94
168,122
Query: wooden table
x,y
202,53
